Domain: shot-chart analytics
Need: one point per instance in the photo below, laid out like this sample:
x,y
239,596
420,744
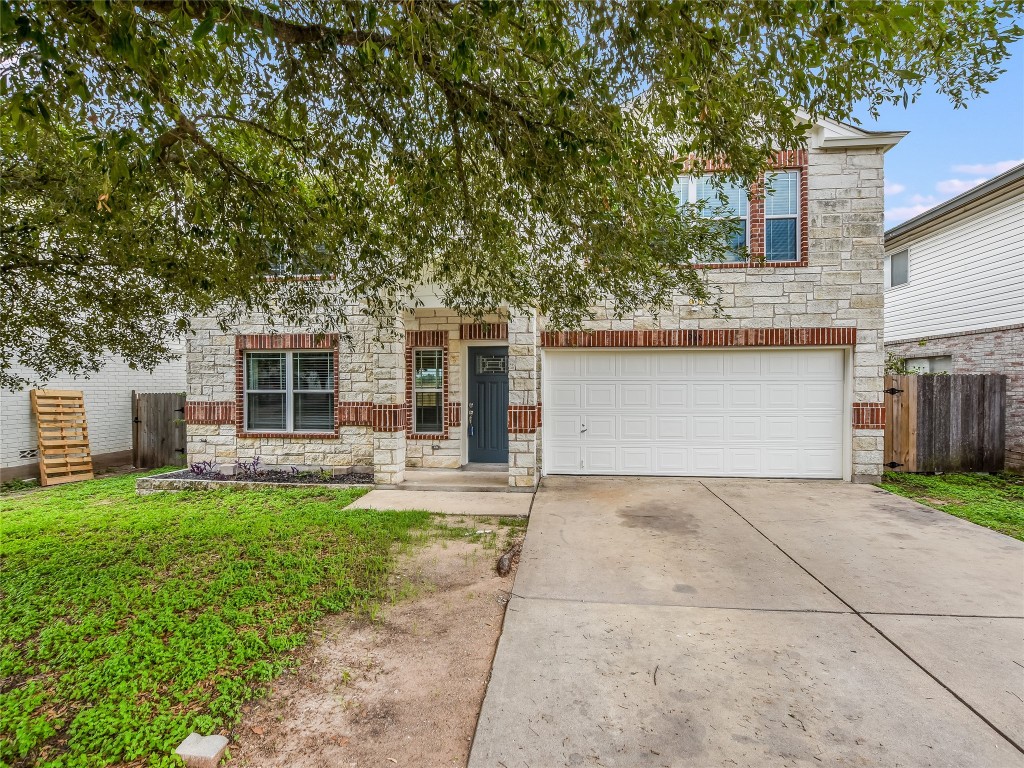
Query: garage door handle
x,y
583,430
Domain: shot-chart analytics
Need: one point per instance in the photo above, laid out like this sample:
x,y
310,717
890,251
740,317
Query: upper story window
x,y
782,216
428,390
897,268
289,391
726,202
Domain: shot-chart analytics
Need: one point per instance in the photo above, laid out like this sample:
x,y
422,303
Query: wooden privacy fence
x,y
945,423
63,435
158,429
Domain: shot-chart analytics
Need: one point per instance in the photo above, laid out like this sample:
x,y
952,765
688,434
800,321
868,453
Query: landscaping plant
x,y
129,621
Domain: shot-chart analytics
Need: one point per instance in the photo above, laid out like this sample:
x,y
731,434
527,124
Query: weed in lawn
x,y
994,501
129,621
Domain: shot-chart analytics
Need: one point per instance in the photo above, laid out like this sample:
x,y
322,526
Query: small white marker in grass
x,y
202,751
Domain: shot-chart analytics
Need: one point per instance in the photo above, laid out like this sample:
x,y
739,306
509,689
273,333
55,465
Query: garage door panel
x,y
597,396
671,428
565,396
600,458
563,458
743,428
744,461
635,459
785,365
634,366
599,365
747,413
824,396
636,427
708,461
708,395
601,426
671,460
671,396
746,396
564,426
636,395
781,396
672,366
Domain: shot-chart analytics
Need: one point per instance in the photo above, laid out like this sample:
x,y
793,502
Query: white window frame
x,y
438,390
887,265
288,391
767,218
691,198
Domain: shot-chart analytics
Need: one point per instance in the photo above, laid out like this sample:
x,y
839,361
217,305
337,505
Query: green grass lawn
x,y
995,501
126,622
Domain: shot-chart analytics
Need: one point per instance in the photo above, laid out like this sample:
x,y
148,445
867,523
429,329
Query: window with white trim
x,y
934,364
728,202
782,216
289,391
428,390
897,269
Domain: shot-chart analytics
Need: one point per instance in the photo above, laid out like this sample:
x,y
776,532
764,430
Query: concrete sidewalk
x,y
664,622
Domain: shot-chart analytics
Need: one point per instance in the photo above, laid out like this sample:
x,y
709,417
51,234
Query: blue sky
x,y
950,150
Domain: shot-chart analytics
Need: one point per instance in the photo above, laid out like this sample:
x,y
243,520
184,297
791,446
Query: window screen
x,y
428,390
897,269
781,216
730,203
289,391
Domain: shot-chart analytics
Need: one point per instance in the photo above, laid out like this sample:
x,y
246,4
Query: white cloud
x,y
901,213
926,200
892,188
956,186
987,169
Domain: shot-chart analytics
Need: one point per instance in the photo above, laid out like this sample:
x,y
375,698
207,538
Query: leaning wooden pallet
x,y
64,455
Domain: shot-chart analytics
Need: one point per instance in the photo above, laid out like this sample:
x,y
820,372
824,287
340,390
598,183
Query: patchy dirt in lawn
x,y
403,688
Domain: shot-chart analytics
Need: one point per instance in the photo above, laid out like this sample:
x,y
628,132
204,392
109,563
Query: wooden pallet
x,y
64,455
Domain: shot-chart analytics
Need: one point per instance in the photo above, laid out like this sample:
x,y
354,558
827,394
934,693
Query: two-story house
x,y
787,384
954,298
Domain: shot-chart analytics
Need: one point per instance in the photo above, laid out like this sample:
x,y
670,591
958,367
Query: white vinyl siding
x,y
967,276
726,413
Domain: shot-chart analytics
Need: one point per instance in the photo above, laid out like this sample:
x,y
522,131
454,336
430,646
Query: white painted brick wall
x,y
108,407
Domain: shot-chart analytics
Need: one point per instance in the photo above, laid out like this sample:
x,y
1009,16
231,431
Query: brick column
x,y
389,409
523,399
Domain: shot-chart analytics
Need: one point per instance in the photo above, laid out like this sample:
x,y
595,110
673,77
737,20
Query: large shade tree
x,y
161,158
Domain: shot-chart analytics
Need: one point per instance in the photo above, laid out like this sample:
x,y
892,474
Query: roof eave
x,y
887,140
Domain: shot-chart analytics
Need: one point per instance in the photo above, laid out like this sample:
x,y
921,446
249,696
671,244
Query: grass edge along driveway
x,y
127,621
994,501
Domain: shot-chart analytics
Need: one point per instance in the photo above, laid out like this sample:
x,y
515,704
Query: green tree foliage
x,y
159,158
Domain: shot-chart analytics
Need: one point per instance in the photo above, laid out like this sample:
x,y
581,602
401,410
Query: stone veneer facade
x,y
993,350
837,285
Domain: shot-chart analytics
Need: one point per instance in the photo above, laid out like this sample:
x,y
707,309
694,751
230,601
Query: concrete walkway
x,y
448,502
664,622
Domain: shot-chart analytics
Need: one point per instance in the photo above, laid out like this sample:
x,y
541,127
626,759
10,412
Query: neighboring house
x,y
788,384
954,299
108,410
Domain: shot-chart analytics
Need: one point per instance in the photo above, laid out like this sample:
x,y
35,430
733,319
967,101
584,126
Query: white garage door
x,y
742,413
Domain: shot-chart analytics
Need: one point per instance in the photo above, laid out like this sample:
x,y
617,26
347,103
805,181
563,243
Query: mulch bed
x,y
274,476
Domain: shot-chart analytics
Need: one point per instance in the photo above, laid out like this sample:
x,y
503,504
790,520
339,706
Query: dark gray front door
x,y
488,404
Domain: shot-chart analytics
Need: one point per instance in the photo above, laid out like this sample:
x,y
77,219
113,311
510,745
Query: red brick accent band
x,y
523,419
487,331
389,418
726,337
209,412
295,341
287,341
355,414
426,340
454,414
868,416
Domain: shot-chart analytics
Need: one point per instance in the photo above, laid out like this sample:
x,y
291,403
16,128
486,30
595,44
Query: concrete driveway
x,y
665,622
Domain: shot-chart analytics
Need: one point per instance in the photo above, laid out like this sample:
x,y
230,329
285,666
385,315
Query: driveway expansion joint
x,y
863,617
681,605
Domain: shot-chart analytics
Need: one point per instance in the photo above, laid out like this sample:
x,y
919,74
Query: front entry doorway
x,y
487,419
